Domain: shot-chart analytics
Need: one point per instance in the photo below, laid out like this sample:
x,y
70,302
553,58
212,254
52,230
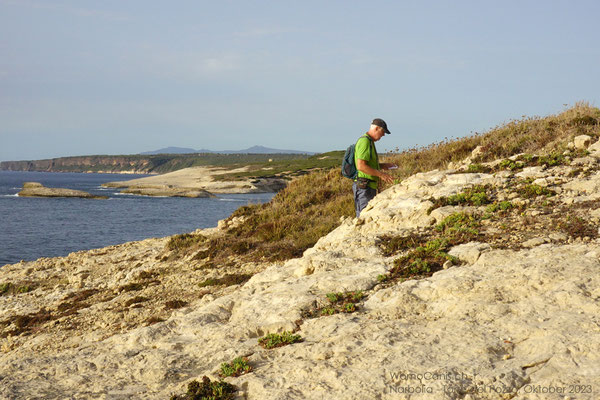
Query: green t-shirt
x,y
365,150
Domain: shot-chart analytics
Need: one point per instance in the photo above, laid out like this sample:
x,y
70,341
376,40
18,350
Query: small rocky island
x,y
36,189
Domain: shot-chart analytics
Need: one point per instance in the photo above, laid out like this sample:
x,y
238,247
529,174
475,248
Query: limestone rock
x,y
197,182
36,189
516,320
595,148
582,141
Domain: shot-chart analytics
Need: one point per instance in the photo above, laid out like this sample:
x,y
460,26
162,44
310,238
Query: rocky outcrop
x,y
167,191
514,315
197,179
36,189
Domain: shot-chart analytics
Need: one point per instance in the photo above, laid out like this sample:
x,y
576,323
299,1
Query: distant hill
x,y
171,150
250,150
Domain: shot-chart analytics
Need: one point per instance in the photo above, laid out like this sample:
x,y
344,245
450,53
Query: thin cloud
x,y
78,11
266,31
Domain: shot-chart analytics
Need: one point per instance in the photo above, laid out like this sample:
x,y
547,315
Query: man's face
x,y
379,133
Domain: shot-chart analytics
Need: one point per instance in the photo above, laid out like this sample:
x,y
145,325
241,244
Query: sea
x,y
31,228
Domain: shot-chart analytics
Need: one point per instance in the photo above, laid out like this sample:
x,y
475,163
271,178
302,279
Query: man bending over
x,y
368,166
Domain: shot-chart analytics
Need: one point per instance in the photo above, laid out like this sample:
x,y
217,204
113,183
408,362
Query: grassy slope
x,y
312,205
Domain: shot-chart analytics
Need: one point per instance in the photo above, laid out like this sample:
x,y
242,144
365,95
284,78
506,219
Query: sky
x,y
127,76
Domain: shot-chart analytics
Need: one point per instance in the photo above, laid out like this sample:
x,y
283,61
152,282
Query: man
x,y
368,166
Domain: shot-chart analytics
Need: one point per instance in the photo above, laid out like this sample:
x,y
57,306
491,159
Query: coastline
x,y
54,227
194,179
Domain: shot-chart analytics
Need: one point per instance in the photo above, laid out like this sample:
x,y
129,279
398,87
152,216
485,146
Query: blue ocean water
x,y
31,228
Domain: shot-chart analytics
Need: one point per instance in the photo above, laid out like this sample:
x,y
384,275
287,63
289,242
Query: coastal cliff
x,y
478,281
100,164
150,163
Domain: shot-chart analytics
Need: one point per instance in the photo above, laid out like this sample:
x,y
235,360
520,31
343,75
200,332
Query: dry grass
x,y
530,135
307,209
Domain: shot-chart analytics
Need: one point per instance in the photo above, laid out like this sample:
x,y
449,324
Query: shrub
x,y
175,304
237,367
273,340
227,280
391,245
478,168
5,287
534,190
576,226
474,196
184,241
502,206
423,261
459,227
207,390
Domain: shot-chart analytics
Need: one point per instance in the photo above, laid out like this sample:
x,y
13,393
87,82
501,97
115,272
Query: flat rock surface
x,y
197,179
35,189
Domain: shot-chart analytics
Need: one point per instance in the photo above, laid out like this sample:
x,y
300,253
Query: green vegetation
x,y
501,206
423,260
237,367
391,245
10,288
4,288
338,303
459,227
288,167
207,390
430,254
511,164
534,190
478,168
273,340
473,196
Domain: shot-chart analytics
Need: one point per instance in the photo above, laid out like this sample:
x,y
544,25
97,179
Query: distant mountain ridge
x,y
250,150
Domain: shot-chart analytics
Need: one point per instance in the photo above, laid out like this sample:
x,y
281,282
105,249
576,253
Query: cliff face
x,y
106,164
513,312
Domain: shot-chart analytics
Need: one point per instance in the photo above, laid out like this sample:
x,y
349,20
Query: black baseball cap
x,y
381,123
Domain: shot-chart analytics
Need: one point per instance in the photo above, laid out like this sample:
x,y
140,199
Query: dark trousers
x,y
362,197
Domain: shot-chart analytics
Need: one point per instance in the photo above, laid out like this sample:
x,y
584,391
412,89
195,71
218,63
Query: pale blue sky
x,y
126,76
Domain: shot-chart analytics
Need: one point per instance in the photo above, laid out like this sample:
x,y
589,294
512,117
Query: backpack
x,y
348,166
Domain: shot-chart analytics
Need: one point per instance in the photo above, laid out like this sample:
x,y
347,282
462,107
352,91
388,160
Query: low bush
x,y
239,366
227,280
207,390
533,190
273,340
474,196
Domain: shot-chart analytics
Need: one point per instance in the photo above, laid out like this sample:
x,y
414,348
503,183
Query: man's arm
x,y
362,166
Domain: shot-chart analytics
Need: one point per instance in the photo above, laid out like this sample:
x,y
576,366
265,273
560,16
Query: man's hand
x,y
362,165
388,166
386,177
